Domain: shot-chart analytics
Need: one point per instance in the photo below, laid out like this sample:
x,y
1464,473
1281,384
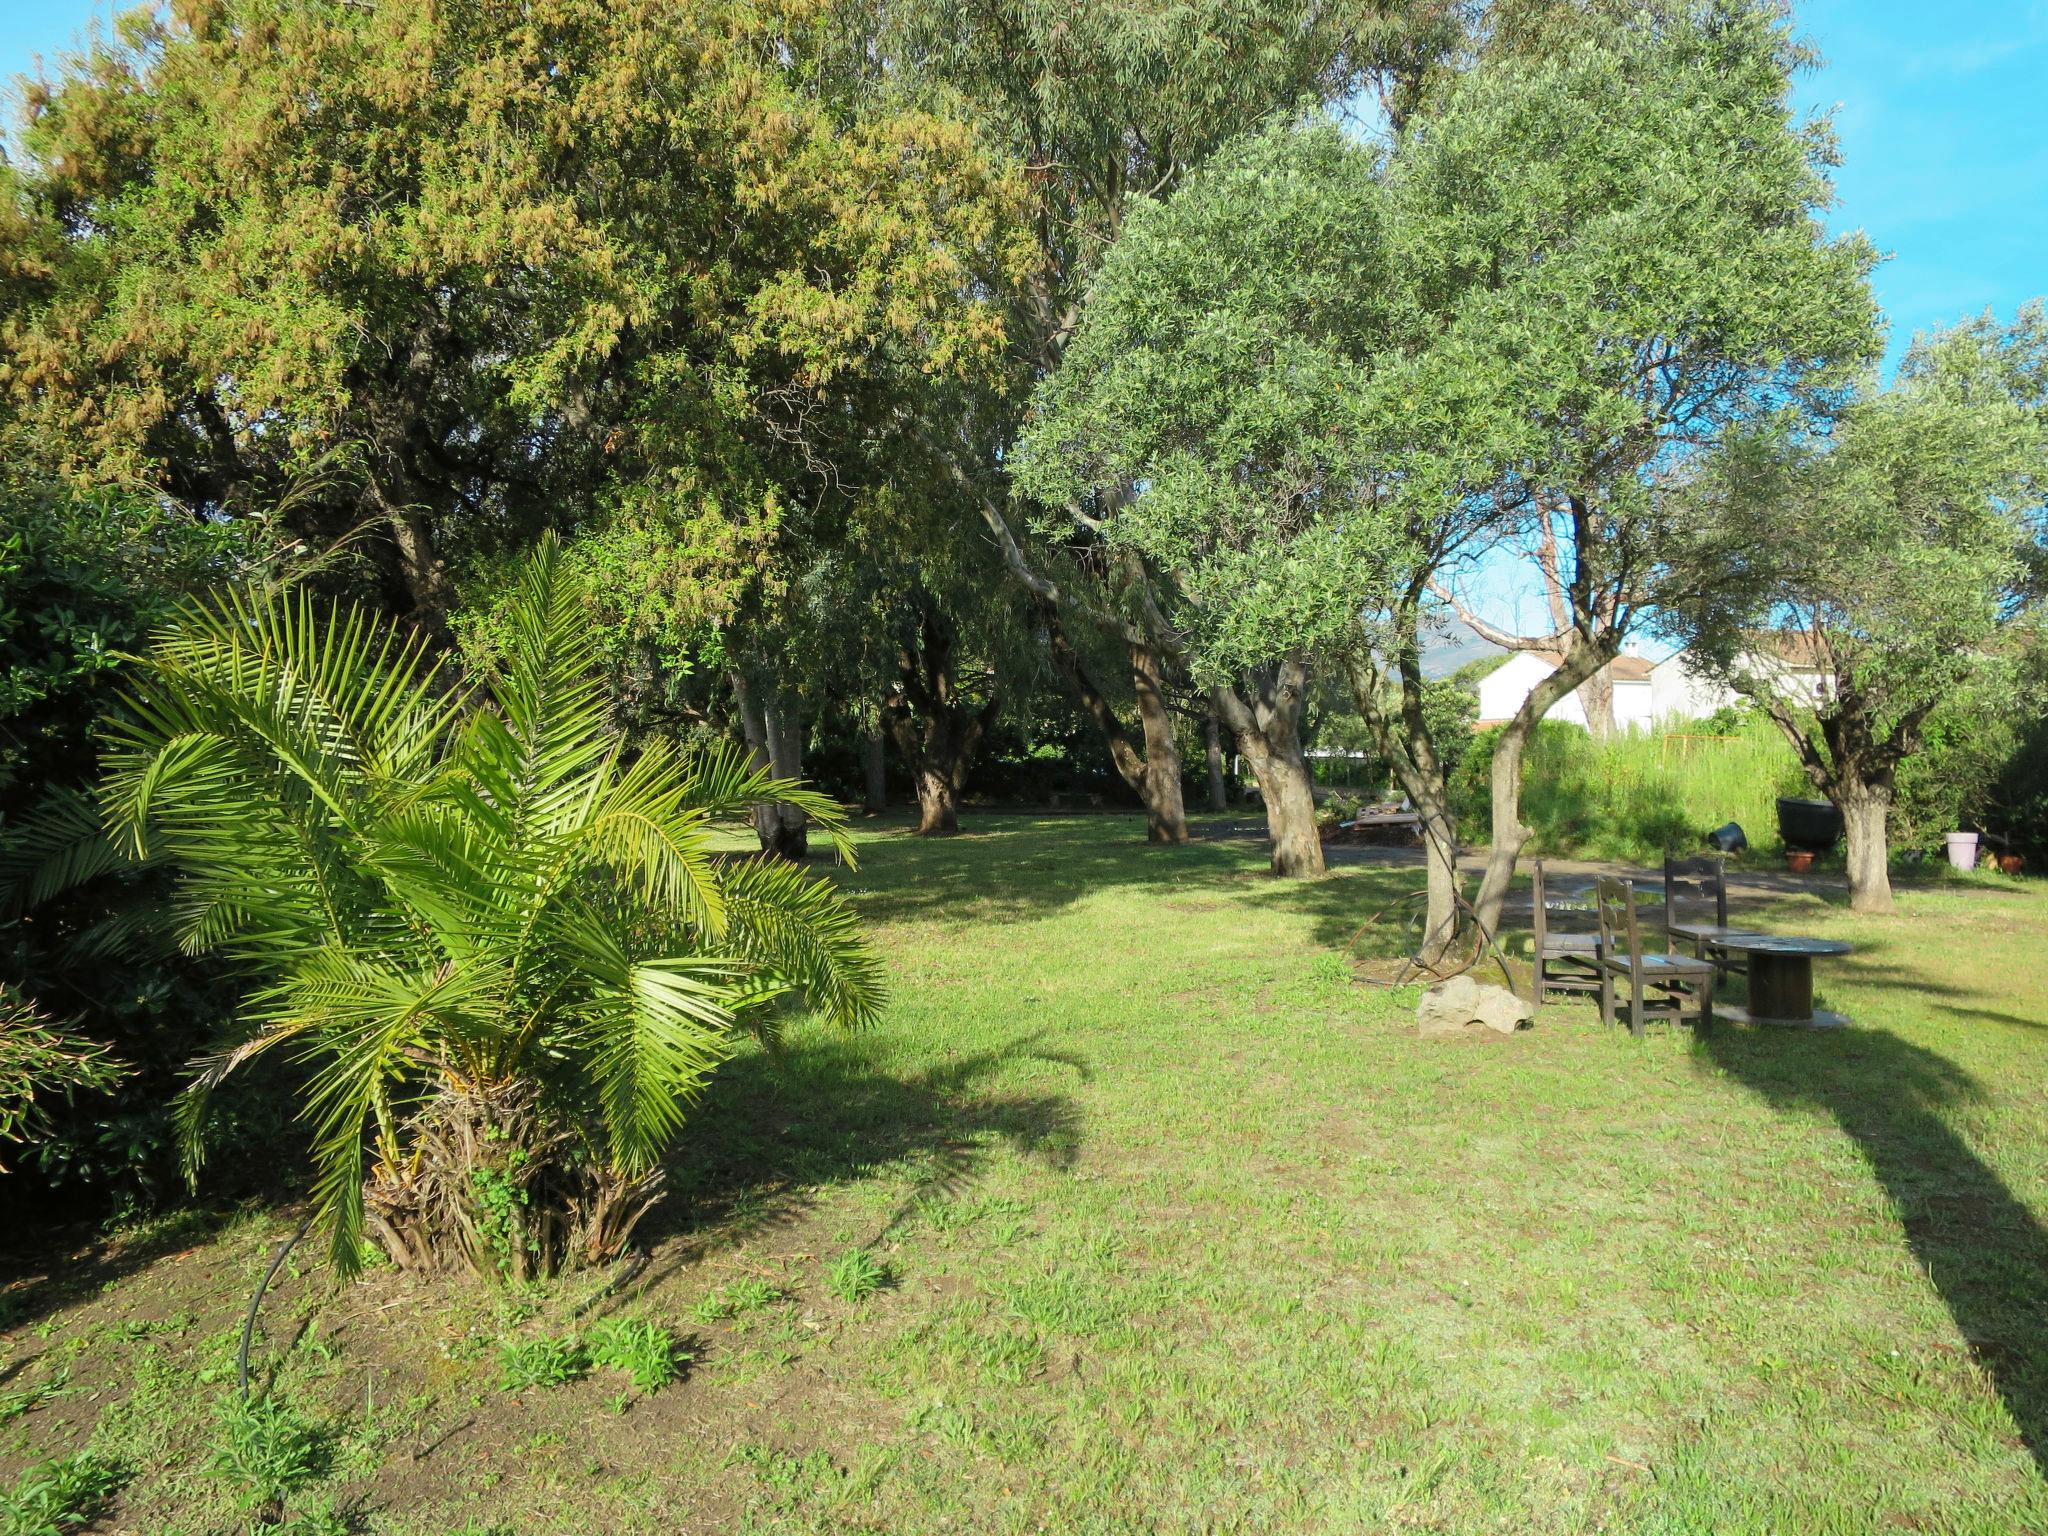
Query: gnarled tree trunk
x,y
1596,698
1264,713
1509,835
1154,773
1403,739
774,736
1866,810
933,725
1219,790
874,771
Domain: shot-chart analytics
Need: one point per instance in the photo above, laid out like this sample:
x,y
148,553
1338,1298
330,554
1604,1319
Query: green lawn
x,y
1187,1232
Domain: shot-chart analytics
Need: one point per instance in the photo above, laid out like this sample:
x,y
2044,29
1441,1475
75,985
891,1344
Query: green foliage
x,y
747,1294
1639,794
83,577
1902,552
645,1351
855,1276
540,1362
266,1451
459,268
443,880
1226,353
38,1059
53,1498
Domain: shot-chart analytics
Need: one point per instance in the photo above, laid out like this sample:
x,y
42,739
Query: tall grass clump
x,y
1640,794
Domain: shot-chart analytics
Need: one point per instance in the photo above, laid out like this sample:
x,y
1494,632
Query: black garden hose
x,y
256,1302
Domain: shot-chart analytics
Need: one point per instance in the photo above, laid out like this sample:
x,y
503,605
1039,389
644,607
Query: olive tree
x,y
1224,371
1901,553
1623,240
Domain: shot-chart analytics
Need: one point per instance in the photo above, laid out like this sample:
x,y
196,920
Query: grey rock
x,y
1462,1006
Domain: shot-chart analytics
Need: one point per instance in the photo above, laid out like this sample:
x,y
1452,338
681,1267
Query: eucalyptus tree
x,y
1106,106
1622,241
1901,557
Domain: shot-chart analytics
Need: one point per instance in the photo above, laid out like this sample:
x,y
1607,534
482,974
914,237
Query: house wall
x,y
1678,693
1502,690
1635,706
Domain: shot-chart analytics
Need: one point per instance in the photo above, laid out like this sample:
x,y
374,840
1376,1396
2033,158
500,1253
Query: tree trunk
x,y
1166,817
932,725
1596,698
1403,739
1266,719
1865,812
773,730
938,803
754,729
1154,773
1219,790
1509,835
874,773
782,723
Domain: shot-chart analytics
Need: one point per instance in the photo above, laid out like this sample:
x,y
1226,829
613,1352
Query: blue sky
x,y
1942,111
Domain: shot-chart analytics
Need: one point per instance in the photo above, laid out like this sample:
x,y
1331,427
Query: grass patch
x,y
1640,793
1188,1234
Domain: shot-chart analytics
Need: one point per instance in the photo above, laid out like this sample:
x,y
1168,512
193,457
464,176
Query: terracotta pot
x,y
1799,860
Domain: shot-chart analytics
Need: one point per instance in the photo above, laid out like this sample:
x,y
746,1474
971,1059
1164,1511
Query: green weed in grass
x,y
542,1362
265,1451
855,1276
735,1300
645,1351
14,1404
54,1497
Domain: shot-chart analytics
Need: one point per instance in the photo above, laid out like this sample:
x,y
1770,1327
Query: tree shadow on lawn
x,y
1980,1246
776,1131
1005,868
42,1272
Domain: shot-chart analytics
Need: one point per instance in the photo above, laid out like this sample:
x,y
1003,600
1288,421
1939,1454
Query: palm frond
x,y
724,782
796,929
60,845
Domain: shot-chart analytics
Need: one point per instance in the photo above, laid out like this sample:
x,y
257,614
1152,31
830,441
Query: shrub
x,y
503,947
855,1276
1639,794
265,1451
83,579
542,1362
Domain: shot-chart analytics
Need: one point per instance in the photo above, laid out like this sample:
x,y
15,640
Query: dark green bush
x,y
83,577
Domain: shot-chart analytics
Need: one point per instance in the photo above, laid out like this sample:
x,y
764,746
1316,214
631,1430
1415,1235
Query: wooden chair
x,y
1702,883
1567,958
1663,985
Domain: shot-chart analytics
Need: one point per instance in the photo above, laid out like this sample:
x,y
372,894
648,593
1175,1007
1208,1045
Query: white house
x,y
1502,690
1647,693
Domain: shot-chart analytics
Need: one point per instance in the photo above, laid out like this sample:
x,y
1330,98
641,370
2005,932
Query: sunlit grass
x,y
1186,1232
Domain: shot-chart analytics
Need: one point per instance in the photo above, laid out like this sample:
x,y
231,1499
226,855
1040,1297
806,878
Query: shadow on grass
x,y
44,1272
776,1132
1982,1249
1002,868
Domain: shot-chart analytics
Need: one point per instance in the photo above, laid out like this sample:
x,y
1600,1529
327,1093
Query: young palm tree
x,y
500,941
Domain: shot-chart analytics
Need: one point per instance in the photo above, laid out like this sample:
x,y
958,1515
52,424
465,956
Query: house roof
x,y
1623,669
1796,647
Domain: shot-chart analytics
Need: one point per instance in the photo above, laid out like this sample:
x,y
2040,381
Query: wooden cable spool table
x,y
1781,978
